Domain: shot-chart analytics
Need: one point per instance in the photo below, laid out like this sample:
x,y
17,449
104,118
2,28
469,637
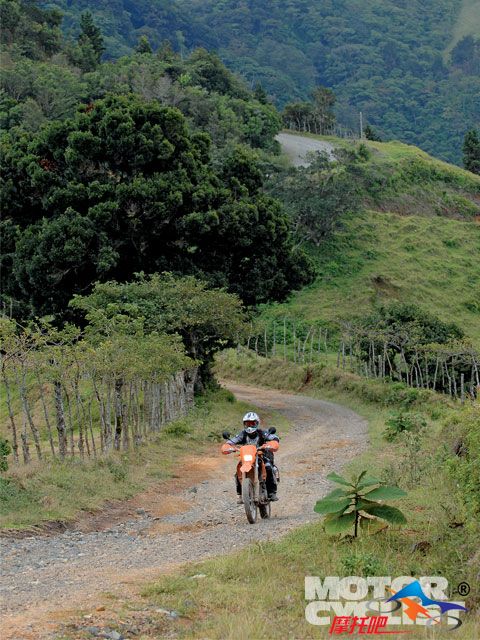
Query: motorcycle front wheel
x,y
265,510
248,497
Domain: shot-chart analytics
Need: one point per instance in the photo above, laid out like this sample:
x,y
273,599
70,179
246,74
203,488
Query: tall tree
x,y
90,42
125,187
371,134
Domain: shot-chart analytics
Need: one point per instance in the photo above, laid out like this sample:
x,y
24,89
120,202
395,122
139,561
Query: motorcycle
x,y
252,475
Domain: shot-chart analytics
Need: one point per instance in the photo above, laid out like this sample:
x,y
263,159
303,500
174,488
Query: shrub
x,y
400,422
5,450
177,429
118,470
358,503
464,465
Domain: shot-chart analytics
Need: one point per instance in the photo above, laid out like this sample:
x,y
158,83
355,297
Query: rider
x,y
252,434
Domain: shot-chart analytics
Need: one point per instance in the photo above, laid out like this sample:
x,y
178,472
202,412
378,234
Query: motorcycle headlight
x,y
248,458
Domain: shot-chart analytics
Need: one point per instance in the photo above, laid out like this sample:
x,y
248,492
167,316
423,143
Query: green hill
x,y
417,241
406,65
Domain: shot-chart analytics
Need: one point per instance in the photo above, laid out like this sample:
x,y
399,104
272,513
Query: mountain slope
x,y
383,57
412,243
468,22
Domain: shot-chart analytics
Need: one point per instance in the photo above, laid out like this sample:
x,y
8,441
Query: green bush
x,y
118,470
463,463
400,394
177,429
404,421
5,450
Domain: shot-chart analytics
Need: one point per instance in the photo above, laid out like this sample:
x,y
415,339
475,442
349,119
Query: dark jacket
x,y
261,437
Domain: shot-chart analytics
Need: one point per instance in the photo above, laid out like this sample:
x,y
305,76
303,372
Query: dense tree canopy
x,y
206,319
391,59
124,187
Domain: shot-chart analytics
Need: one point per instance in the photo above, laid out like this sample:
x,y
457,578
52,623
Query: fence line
x,y
451,368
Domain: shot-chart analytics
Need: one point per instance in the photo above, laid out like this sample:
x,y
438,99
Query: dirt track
x,y
297,147
188,521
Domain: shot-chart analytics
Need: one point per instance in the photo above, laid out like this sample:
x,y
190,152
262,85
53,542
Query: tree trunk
x,y
119,413
24,437
70,422
26,408
60,414
45,413
12,418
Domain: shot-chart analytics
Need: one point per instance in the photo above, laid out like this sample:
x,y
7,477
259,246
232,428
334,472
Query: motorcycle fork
x,y
261,494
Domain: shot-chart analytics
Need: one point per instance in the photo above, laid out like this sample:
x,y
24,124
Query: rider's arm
x,y
238,439
271,436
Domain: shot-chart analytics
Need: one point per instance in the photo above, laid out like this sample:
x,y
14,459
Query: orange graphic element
x,y
413,609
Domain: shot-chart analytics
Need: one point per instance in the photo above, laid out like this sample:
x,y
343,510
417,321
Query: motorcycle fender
x,y
246,466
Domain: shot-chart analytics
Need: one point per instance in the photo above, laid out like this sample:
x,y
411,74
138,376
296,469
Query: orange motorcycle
x,y
252,475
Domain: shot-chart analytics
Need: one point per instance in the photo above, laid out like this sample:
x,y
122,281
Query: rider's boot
x,y
273,497
239,499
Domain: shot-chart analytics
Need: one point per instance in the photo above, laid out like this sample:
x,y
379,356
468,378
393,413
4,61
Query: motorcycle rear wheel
x,y
248,496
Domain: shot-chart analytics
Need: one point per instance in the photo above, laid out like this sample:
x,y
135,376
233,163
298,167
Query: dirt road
x,y
189,521
298,147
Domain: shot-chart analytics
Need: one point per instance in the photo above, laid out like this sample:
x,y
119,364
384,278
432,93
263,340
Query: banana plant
x,y
358,503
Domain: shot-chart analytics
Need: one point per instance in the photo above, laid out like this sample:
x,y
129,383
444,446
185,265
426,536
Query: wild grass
x,y
381,257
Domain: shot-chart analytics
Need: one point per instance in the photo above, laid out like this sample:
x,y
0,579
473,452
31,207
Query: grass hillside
x,y
417,241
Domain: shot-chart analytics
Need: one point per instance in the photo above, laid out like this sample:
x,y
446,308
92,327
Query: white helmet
x,y
251,422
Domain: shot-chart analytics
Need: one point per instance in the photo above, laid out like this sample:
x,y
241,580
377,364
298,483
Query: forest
x,y
151,163
400,63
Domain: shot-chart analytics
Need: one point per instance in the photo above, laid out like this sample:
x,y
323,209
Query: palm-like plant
x,y
359,502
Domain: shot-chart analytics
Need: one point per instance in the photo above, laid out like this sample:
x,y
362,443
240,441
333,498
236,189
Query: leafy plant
x,y
359,502
362,564
404,421
118,470
5,449
178,429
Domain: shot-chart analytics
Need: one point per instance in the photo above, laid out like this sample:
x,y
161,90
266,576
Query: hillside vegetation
x,y
468,22
142,164
416,240
406,65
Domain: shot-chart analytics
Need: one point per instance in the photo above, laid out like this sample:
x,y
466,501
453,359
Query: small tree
x,y
371,134
360,502
90,42
471,151
143,45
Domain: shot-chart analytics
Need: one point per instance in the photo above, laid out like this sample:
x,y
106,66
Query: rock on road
x,y
298,147
45,574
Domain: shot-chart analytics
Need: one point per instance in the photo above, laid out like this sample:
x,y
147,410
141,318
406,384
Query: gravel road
x,y
297,147
41,575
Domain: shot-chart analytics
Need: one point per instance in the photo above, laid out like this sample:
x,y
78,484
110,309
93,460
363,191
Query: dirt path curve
x,y
46,575
297,147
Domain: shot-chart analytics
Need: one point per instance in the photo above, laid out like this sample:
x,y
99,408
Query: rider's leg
x,y
238,487
271,482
